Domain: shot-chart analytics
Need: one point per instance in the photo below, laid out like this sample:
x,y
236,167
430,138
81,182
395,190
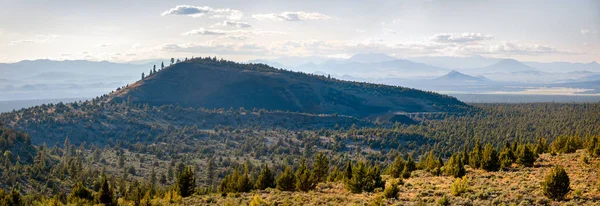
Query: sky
x,y
241,30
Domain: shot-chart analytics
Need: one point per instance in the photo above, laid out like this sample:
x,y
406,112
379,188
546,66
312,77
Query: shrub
x,y
460,186
556,184
391,191
444,201
258,201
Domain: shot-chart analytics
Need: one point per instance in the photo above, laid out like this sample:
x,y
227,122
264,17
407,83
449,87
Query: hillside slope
x,y
210,83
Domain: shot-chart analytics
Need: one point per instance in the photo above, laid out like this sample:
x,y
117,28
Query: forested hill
x,y
212,83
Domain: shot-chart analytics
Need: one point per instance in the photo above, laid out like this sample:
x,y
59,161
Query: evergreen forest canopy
x,y
124,148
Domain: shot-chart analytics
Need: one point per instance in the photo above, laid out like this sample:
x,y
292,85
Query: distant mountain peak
x,y
457,76
371,58
508,66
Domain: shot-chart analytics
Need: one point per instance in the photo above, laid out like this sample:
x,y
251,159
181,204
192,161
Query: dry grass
x,y
520,186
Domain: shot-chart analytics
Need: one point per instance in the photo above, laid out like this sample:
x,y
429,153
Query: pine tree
x,y
321,167
286,181
556,184
489,159
210,171
265,179
152,177
186,182
348,170
506,157
143,75
162,65
397,167
525,156
475,156
373,179
80,192
105,194
465,154
305,180
356,182
455,166
409,167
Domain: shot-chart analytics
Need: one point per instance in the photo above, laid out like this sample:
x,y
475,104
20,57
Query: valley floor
x,y
520,186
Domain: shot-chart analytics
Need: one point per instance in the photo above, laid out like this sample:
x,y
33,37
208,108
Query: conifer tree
x,y
525,156
305,180
105,194
489,159
186,182
286,181
506,156
475,156
397,167
356,182
348,170
265,179
556,184
321,167
455,166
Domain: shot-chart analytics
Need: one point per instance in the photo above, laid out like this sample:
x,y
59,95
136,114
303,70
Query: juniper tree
x,y
321,167
556,184
489,159
475,156
265,179
525,156
305,179
286,181
397,167
105,194
455,167
186,182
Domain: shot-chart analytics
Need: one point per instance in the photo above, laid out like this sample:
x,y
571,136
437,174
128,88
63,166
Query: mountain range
x,y
48,79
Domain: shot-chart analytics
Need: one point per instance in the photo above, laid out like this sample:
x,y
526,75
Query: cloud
x,y
586,32
291,16
236,24
43,38
199,11
525,49
460,37
203,31
213,47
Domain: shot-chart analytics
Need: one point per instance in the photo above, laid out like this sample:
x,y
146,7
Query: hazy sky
x,y
529,30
